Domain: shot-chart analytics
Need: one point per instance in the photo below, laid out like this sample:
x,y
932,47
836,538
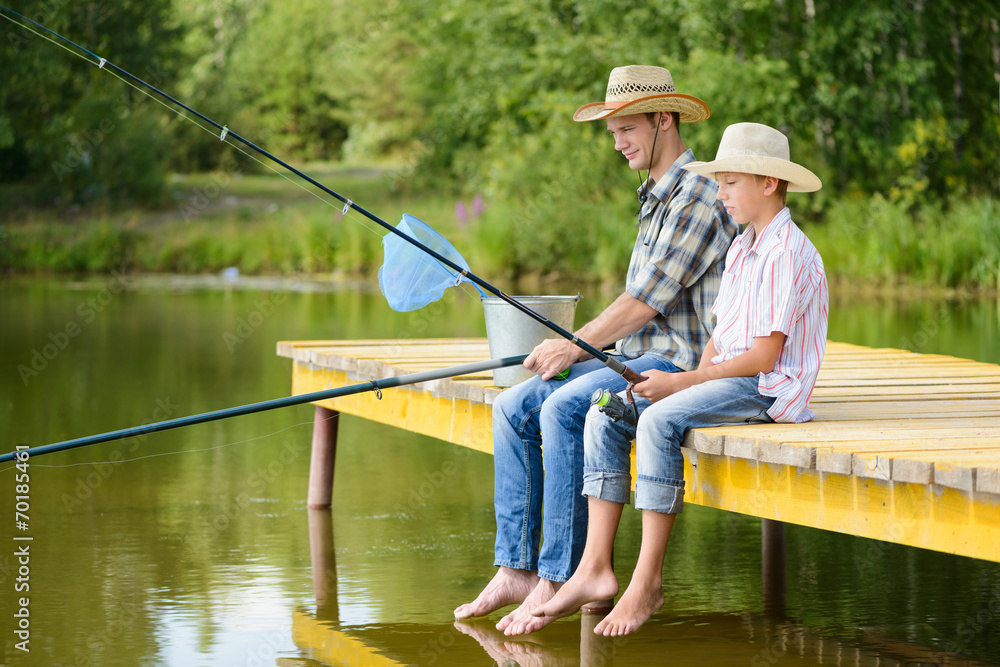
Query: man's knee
x,y
512,402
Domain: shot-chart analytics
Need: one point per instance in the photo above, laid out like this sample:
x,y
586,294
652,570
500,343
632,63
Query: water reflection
x,y
195,546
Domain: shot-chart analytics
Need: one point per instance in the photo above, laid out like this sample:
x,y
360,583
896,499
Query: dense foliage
x,y
69,132
893,102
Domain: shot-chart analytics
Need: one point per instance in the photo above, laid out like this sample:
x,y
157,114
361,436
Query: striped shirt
x,y
677,263
776,283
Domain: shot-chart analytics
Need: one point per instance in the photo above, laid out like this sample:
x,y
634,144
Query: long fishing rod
x,y
372,385
608,361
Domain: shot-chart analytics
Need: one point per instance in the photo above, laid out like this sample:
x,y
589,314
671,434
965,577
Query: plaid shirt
x,y
677,264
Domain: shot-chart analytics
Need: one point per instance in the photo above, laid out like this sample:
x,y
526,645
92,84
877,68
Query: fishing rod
x,y
608,361
372,385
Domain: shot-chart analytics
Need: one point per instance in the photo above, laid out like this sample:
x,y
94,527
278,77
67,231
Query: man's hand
x,y
552,356
660,384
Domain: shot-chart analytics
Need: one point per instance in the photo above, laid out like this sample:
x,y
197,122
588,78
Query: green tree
x,y
70,132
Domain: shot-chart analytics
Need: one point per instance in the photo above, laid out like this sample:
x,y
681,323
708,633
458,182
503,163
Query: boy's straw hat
x,y
641,88
752,148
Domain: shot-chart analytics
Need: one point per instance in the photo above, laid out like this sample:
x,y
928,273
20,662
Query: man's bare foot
x,y
639,601
508,586
585,586
540,594
528,652
491,640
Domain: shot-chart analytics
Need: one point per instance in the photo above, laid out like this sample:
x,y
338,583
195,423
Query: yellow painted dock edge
x,y
930,516
334,647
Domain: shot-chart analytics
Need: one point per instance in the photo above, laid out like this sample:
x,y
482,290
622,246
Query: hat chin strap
x,y
642,182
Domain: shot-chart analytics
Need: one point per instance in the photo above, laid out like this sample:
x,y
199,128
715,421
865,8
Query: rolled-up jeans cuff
x,y
660,495
607,485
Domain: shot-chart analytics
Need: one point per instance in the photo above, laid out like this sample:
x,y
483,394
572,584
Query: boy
x,y
759,366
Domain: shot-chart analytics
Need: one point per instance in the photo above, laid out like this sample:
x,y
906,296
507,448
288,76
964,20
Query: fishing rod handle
x,y
623,370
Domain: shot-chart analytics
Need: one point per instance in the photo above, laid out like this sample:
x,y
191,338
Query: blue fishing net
x,y
409,277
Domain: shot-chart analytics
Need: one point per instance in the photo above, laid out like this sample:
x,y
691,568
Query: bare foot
x,y
585,586
508,586
489,639
639,601
540,594
528,652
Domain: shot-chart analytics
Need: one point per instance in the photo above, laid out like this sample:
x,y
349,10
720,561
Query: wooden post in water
x,y
324,563
324,452
772,568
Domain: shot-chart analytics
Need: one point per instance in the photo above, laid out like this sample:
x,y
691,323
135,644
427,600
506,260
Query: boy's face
x,y
744,197
633,135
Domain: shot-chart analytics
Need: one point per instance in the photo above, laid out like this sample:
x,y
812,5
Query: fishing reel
x,y
614,407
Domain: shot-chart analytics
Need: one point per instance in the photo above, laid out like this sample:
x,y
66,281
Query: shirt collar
x,y
661,189
770,237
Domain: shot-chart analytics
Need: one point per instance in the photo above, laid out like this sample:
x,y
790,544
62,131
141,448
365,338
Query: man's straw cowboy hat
x,y
752,148
640,89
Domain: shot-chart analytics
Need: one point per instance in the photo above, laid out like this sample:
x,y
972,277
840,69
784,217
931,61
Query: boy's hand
x,y
660,384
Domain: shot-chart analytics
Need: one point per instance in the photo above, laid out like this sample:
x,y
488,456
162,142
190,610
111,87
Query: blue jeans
x,y
662,426
524,416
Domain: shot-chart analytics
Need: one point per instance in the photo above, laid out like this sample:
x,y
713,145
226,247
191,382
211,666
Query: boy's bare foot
x,y
519,619
583,587
639,601
508,586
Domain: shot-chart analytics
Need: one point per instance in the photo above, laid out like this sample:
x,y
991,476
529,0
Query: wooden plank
x,y
857,430
841,457
922,392
977,409
378,348
908,376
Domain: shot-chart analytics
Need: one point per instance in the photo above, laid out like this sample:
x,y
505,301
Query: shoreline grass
x,y
263,224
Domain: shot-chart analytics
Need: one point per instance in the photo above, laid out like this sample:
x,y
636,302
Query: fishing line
x,y
349,205
360,220
614,364
346,211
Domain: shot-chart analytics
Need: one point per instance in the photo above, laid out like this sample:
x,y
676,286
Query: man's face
x,y
633,135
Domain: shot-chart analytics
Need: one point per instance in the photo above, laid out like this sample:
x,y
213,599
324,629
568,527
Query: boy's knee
x,y
662,425
647,420
598,423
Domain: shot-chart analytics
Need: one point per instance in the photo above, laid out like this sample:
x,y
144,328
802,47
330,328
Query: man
x,y
661,322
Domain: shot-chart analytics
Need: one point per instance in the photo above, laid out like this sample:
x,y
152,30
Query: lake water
x,y
192,546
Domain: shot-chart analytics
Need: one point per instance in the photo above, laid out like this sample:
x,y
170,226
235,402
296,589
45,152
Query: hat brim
x,y
690,108
799,178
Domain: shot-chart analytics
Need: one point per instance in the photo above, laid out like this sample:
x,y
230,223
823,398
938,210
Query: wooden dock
x,y
905,447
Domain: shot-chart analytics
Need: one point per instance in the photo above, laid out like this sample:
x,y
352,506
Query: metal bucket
x,y
511,332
